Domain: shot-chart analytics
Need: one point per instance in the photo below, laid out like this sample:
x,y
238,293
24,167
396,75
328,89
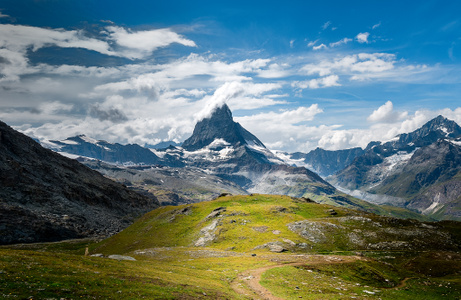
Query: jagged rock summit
x,y
220,125
45,196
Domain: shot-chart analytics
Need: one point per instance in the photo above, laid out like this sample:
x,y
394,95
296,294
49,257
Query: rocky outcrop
x,y
47,197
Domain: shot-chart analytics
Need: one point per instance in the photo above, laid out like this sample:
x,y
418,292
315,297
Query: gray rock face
x,y
47,197
327,162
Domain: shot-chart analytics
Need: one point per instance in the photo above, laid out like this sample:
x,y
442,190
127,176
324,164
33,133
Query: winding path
x,y
247,282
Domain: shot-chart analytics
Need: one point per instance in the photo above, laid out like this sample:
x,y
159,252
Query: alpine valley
x,y
236,220
418,171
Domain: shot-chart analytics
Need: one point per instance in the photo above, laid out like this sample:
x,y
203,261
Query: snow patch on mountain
x,y
217,143
435,206
88,139
457,143
69,142
389,166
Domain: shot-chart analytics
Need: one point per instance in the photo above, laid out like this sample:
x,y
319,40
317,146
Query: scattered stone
x,y
303,245
332,212
121,257
276,231
216,212
290,242
260,228
97,255
279,209
276,248
183,211
208,234
225,195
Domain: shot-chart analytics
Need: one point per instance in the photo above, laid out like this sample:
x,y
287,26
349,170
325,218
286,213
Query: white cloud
x,y
20,37
340,42
183,70
376,26
275,71
231,92
312,43
3,15
285,129
362,37
326,25
292,42
328,81
142,43
386,114
301,114
360,66
320,47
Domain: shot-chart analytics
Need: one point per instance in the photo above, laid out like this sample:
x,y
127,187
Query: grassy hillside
x,y
229,248
246,223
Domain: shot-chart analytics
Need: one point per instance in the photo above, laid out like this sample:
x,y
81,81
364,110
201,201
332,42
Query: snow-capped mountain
x,y
224,148
131,154
219,147
410,168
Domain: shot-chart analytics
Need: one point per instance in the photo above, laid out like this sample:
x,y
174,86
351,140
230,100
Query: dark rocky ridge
x,y
47,197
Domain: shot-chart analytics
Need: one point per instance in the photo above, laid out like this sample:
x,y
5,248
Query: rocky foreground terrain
x,y
47,197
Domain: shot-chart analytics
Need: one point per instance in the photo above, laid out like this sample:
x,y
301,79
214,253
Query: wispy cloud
x,y
340,42
138,44
320,47
316,83
326,25
376,26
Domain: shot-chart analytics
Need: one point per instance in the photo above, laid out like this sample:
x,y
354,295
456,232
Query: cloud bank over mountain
x,y
338,87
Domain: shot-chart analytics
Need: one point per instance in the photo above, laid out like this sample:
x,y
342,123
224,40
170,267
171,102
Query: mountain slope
x,y
426,162
225,149
171,186
47,197
327,162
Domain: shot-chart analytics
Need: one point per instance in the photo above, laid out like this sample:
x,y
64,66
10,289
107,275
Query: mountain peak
x,y
220,125
439,127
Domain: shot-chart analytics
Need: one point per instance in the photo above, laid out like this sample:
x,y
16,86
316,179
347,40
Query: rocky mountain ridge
x,y
411,168
222,148
47,197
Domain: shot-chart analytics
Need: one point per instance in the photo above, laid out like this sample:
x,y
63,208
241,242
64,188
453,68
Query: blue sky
x,y
297,74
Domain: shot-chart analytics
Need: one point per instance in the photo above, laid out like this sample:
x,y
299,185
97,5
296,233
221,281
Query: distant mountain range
x,y
220,157
222,148
47,197
420,170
